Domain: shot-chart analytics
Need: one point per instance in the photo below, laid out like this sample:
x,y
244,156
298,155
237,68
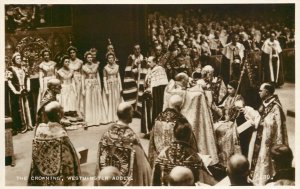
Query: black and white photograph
x,y
149,94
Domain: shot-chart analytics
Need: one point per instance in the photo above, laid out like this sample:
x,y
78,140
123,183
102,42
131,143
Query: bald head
x,y
54,85
54,111
125,112
182,79
181,76
53,82
238,167
108,176
181,176
207,71
269,87
175,102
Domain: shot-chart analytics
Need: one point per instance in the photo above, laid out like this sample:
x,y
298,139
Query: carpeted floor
x,y
17,176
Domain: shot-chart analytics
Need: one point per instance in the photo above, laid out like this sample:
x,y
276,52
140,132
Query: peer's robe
x,y
179,153
162,133
54,158
119,146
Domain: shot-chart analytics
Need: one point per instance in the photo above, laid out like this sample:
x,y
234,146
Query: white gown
x,y
94,109
68,93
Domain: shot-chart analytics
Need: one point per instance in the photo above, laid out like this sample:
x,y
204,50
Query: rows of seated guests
x,y
208,32
187,40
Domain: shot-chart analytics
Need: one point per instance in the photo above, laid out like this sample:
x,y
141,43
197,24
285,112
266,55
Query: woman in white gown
x,y
94,110
76,65
68,91
112,86
47,71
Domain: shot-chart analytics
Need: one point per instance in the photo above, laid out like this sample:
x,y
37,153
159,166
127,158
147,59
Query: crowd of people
x,y
200,124
190,37
82,94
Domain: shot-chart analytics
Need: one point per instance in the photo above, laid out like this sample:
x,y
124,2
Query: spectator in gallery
x,y
183,62
246,41
160,58
233,55
171,61
76,66
195,60
286,38
204,51
215,43
271,61
19,87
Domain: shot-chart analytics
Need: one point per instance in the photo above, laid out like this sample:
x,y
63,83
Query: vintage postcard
x,y
147,93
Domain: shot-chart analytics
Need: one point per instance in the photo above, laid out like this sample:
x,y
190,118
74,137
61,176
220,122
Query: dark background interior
x,y
123,24
127,24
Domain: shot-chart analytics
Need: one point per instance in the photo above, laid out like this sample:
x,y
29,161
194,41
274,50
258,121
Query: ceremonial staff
x,y
242,74
245,61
